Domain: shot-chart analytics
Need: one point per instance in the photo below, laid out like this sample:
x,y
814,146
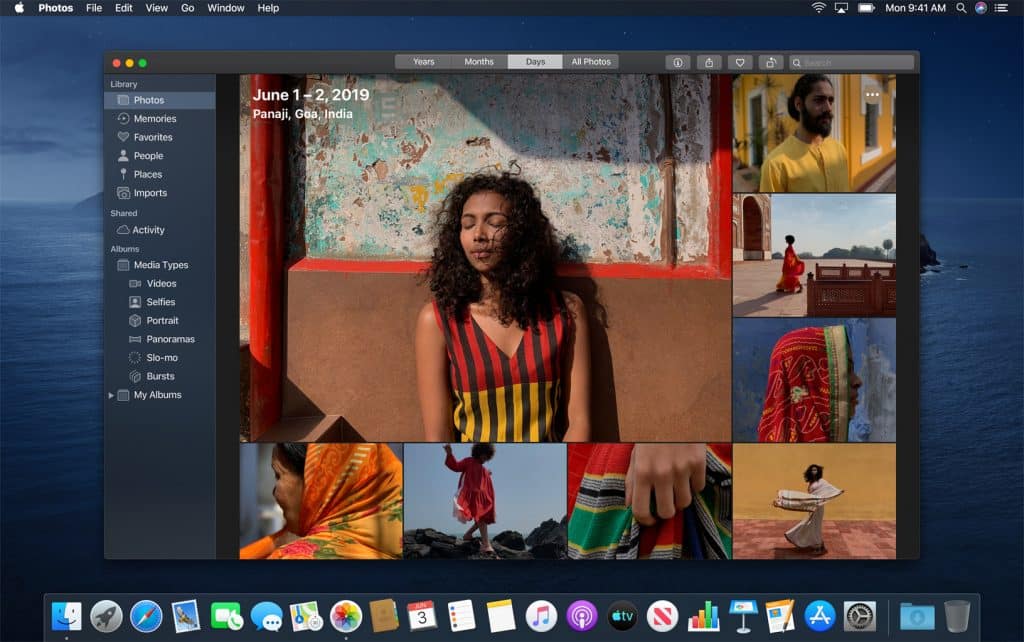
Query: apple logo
x,y
19,8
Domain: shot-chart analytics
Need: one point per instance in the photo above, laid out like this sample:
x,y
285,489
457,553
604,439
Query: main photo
x,y
481,257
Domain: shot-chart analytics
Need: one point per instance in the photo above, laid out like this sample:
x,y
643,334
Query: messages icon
x,y
267,615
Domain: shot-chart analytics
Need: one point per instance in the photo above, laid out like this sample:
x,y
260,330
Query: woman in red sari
x,y
792,268
475,499
812,389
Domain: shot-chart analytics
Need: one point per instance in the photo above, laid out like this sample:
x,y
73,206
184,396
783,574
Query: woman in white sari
x,y
807,533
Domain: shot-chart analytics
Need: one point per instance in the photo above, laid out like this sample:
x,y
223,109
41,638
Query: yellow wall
x,y
848,129
865,472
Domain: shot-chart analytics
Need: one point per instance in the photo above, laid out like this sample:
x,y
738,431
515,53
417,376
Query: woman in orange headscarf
x,y
792,268
339,501
812,390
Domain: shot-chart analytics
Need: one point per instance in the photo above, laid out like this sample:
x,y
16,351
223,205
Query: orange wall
x,y
865,472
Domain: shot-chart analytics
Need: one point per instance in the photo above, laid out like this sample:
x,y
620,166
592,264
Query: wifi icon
x,y
818,6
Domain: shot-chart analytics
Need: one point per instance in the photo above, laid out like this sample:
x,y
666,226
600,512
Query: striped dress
x,y
502,398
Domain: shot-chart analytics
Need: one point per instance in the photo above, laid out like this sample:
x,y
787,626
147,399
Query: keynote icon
x,y
541,616
743,608
582,615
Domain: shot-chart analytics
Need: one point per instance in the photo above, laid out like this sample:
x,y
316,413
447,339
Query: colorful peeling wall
x,y
365,187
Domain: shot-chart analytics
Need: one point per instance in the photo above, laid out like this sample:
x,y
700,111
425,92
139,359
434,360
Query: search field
x,y
852,62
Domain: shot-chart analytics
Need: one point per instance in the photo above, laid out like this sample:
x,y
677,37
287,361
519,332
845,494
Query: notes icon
x,y
501,616
541,616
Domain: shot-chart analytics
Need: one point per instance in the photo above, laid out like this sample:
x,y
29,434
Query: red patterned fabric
x,y
807,398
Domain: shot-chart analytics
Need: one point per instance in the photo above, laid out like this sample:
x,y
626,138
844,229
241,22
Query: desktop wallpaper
x,y
971,320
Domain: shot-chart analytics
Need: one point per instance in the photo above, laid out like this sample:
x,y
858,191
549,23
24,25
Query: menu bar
x,y
843,10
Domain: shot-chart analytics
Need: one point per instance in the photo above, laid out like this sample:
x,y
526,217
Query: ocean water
x,y
972,402
972,377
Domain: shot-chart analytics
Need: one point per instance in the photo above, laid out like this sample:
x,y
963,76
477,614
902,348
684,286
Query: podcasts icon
x,y
582,615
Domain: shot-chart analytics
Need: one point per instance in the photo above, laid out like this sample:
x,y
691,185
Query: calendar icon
x,y
421,616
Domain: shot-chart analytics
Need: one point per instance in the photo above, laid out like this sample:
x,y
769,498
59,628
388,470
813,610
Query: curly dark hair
x,y
813,473
483,450
529,252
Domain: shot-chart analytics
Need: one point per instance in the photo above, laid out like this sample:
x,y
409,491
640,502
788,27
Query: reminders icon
x,y
460,615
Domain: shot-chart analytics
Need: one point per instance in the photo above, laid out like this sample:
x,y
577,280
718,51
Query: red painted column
x,y
720,180
266,260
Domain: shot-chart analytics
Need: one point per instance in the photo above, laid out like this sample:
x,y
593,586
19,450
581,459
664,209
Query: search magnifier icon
x,y
961,7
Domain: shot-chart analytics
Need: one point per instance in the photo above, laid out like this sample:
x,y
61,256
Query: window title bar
x,y
371,62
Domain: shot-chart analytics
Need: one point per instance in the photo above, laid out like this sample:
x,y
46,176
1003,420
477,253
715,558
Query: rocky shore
x,y
547,541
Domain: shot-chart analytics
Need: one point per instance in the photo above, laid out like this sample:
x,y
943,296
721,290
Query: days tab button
x,y
535,62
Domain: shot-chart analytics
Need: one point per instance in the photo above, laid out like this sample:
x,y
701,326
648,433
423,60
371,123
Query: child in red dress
x,y
474,501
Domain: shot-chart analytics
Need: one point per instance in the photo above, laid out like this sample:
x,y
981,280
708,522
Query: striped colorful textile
x,y
601,526
498,397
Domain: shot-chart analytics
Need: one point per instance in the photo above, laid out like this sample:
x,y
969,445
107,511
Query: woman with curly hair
x,y
501,353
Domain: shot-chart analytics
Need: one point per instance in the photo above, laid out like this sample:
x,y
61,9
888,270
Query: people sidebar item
x,y
810,159
792,269
812,389
340,501
501,353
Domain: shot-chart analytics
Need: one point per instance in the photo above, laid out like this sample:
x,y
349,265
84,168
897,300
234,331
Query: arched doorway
x,y
753,230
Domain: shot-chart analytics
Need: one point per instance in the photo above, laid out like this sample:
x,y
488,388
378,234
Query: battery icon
x,y
865,7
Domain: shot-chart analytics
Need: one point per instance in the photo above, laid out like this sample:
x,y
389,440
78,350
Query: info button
x,y
535,62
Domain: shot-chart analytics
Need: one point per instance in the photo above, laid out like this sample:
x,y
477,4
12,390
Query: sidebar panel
x,y
159,315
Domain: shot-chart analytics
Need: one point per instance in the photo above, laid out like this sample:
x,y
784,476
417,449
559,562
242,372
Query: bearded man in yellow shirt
x,y
808,161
